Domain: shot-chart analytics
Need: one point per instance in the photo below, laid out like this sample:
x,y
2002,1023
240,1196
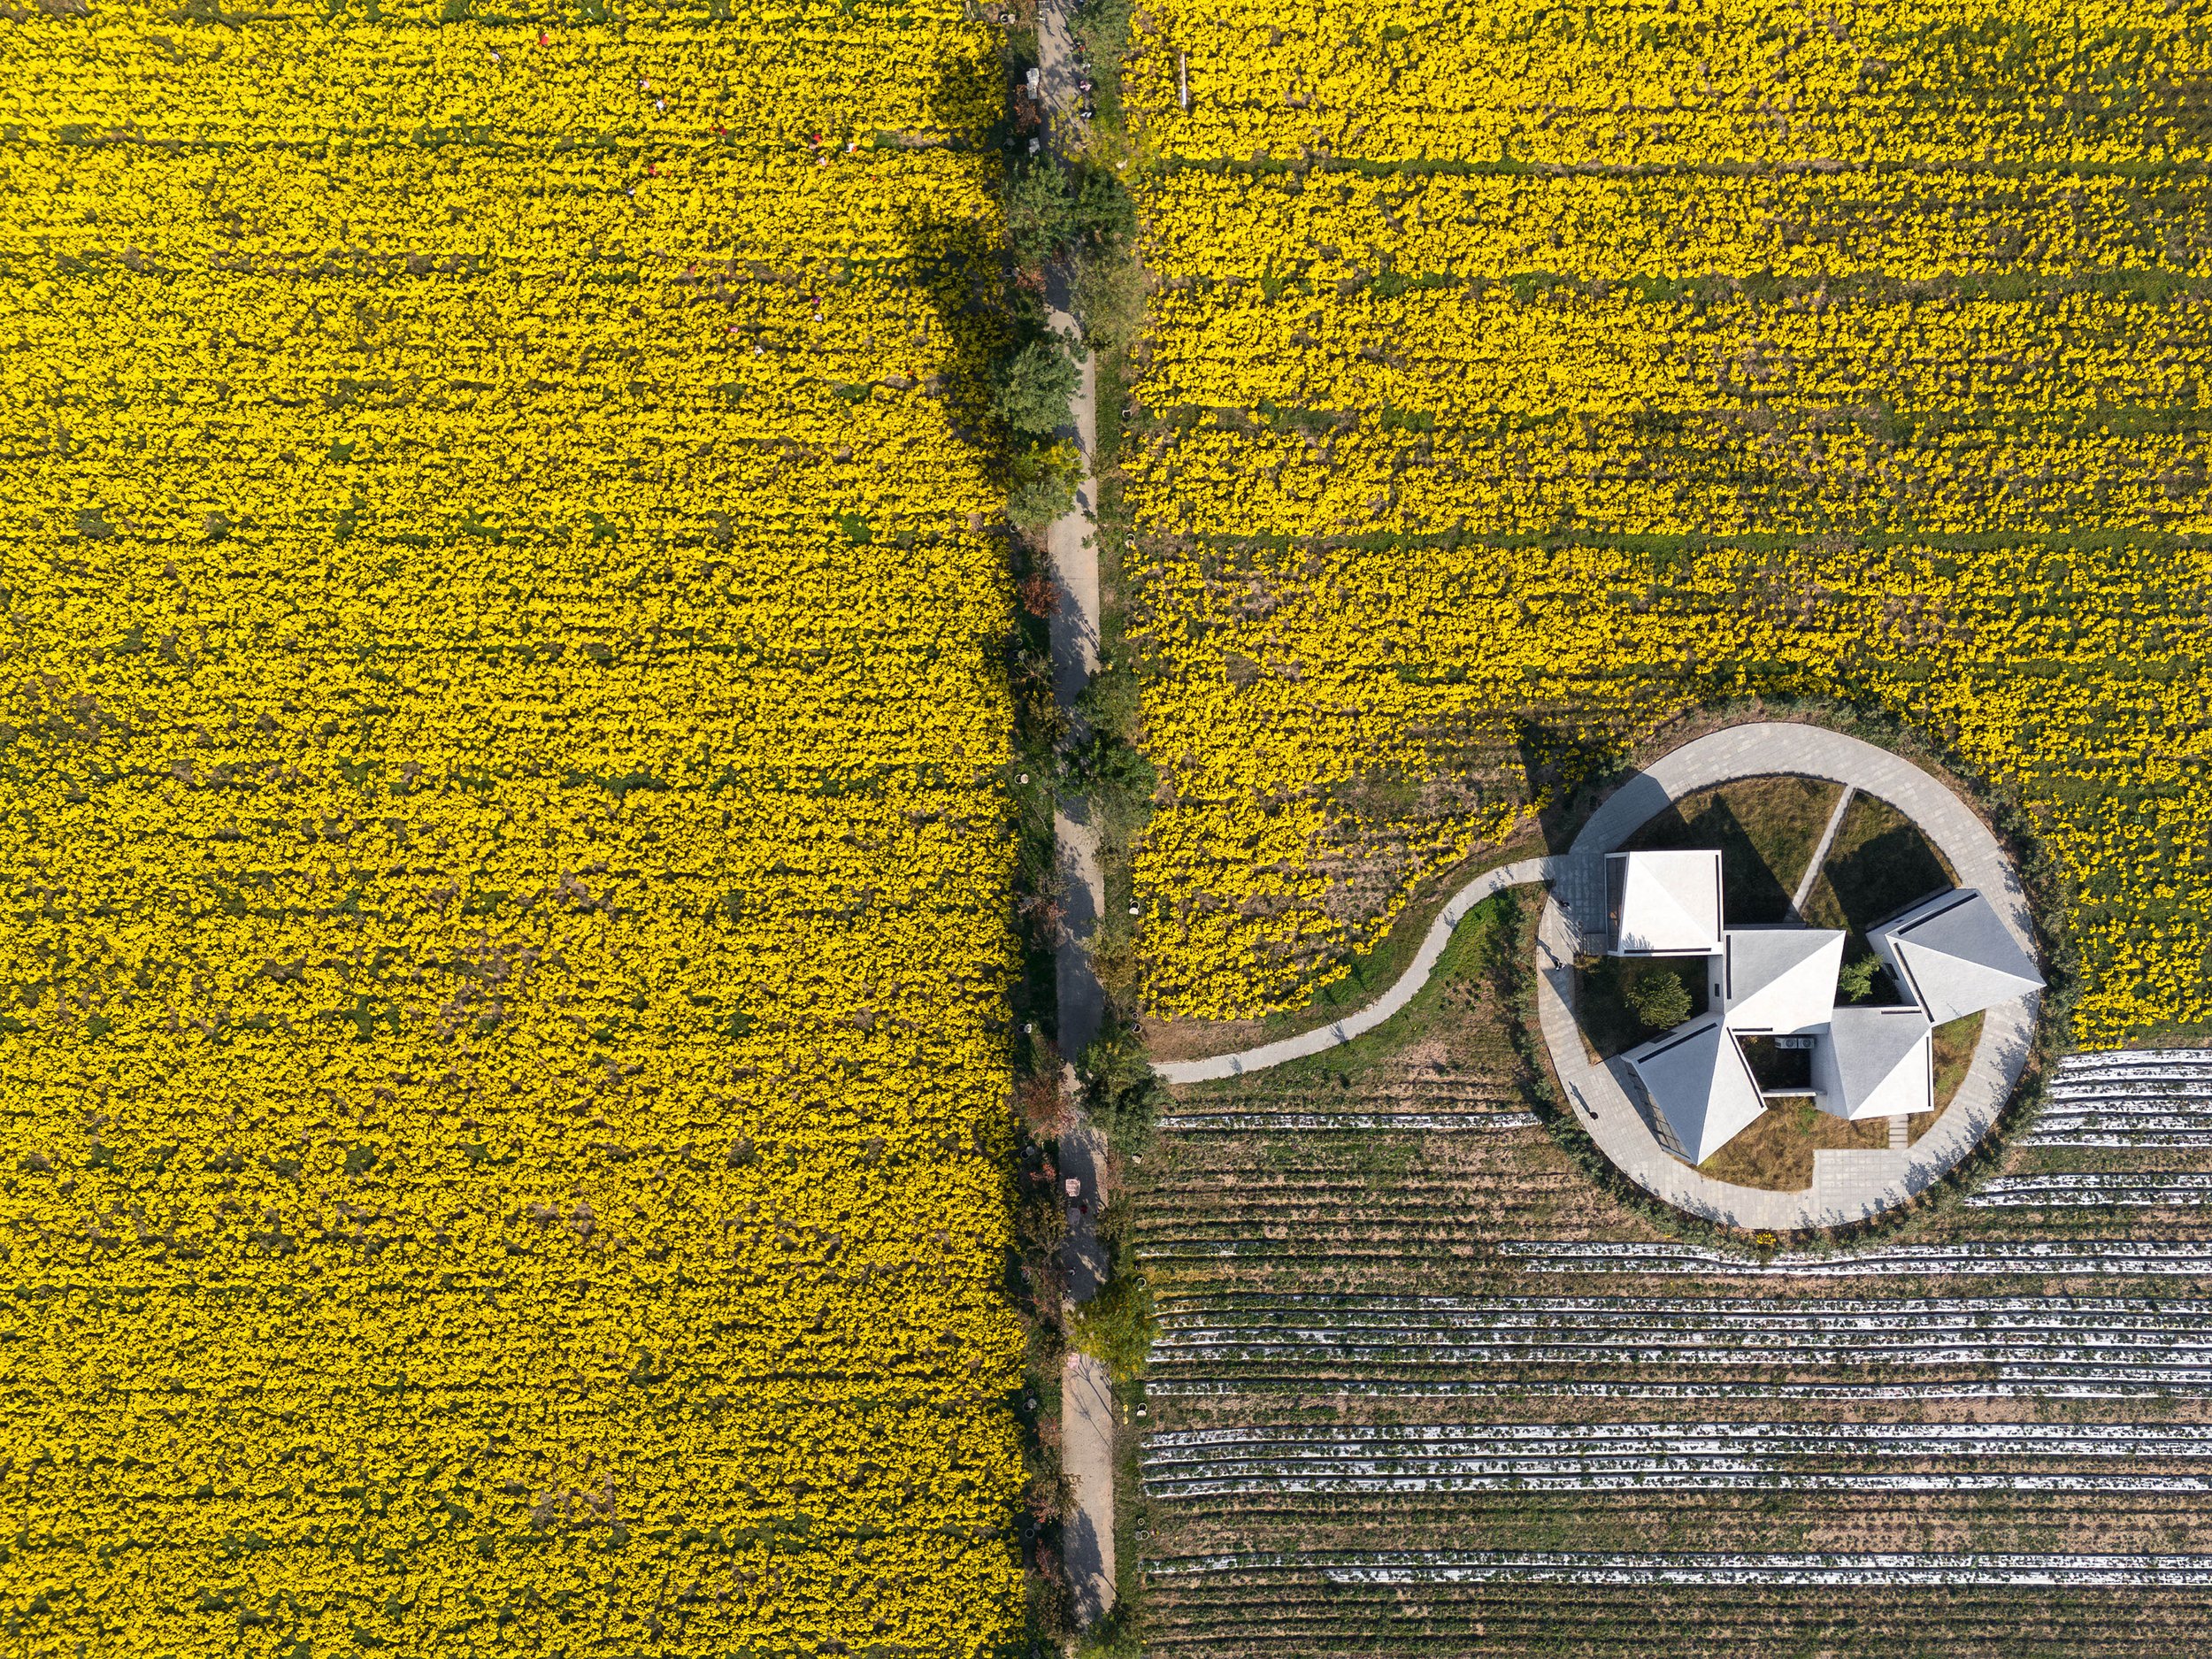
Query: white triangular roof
x,y
1780,979
1955,955
1876,1062
1697,1078
1669,902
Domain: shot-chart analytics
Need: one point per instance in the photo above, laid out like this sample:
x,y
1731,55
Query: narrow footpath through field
x,y
1087,1405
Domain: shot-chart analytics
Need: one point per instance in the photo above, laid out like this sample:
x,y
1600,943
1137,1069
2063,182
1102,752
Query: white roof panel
x,y
1877,1063
1781,978
1696,1077
1664,903
1955,955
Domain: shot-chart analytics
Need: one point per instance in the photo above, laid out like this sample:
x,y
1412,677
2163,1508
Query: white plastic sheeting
x,y
2051,1385
1683,1457
2158,1097
2015,1339
2071,1258
2094,1192
1804,1567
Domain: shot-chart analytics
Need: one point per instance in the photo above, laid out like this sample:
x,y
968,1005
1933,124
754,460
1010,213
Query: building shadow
x,y
1567,770
1883,877
1752,890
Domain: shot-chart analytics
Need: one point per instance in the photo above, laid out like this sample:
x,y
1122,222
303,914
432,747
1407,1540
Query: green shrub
x,y
1659,998
1117,1326
1113,704
1123,1093
1039,210
1856,983
1102,25
1104,762
1050,208
1101,213
1110,296
1120,1634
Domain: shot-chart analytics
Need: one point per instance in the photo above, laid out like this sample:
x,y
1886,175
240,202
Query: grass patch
x,y
1879,864
1606,997
1954,1045
1766,828
1776,1152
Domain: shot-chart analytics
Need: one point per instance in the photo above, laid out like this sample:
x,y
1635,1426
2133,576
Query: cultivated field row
x,y
1712,1567
1683,1457
1517,1617
2053,1385
2150,1098
2093,1191
1278,1122
1990,1258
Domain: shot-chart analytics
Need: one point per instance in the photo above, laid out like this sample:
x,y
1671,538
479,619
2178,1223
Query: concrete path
x,y
1382,1007
1086,1409
1847,1185
1086,1453
1772,748
1055,70
1071,541
1082,1005
1820,854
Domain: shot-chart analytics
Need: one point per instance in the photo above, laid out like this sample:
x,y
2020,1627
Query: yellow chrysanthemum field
x,y
1523,377
507,933
512,835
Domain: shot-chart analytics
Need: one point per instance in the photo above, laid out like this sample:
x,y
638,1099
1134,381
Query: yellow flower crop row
x,y
1473,357
1691,83
1522,378
503,1000
1327,227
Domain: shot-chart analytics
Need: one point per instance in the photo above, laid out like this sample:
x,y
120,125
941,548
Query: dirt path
x,y
1086,1406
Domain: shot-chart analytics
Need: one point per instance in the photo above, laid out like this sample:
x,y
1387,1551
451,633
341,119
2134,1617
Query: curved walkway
x,y
1847,1185
1382,1007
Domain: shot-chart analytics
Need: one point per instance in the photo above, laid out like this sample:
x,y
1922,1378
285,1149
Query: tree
x,y
1659,998
1118,1325
1102,25
1038,211
1105,761
1110,296
1043,486
1855,982
1100,213
1034,386
1123,1093
1049,208
1113,702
